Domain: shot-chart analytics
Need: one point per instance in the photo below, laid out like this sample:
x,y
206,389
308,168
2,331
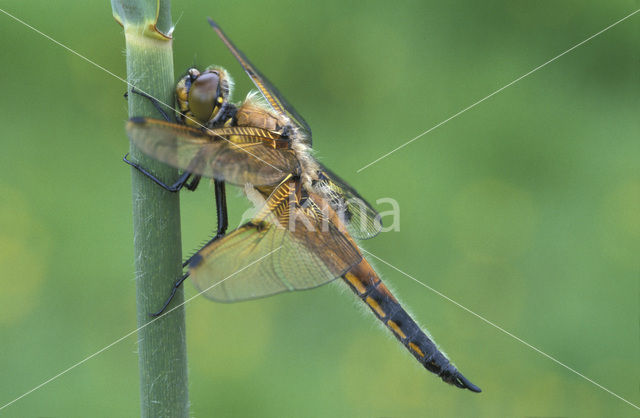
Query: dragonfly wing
x,y
362,221
238,155
268,256
254,262
268,90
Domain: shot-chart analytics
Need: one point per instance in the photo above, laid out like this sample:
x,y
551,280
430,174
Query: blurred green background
x,y
525,209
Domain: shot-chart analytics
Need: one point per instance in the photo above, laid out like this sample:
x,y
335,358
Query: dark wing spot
x,y
138,119
195,261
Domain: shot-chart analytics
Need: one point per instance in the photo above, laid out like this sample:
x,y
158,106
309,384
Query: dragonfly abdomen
x,y
364,281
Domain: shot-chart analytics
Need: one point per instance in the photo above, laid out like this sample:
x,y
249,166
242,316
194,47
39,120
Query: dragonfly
x,y
304,234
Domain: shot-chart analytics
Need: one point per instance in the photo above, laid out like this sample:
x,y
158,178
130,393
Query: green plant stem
x,y
157,244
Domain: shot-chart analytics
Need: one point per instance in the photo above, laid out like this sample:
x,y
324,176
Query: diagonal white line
x,y
366,166
495,92
133,86
133,332
502,329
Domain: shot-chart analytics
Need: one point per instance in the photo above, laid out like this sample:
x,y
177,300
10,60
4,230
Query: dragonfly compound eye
x,y
203,96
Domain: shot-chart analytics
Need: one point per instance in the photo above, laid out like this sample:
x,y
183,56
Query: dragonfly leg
x,y
221,207
182,181
193,184
175,187
176,285
223,223
221,211
153,101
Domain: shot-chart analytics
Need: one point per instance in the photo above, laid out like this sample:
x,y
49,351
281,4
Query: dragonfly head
x,y
203,96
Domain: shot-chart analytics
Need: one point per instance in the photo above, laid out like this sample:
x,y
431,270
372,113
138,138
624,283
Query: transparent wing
x,y
265,258
268,90
252,262
361,220
238,155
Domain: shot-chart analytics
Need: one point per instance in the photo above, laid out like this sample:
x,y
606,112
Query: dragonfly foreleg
x,y
175,187
155,102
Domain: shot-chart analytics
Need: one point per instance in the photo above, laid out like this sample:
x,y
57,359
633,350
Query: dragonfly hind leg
x,y
221,211
174,289
223,223
179,282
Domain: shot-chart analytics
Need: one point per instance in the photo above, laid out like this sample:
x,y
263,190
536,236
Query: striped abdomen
x,y
364,281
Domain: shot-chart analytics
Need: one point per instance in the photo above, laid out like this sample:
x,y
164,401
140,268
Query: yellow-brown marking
x,y
355,282
416,349
375,306
277,203
396,329
241,134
